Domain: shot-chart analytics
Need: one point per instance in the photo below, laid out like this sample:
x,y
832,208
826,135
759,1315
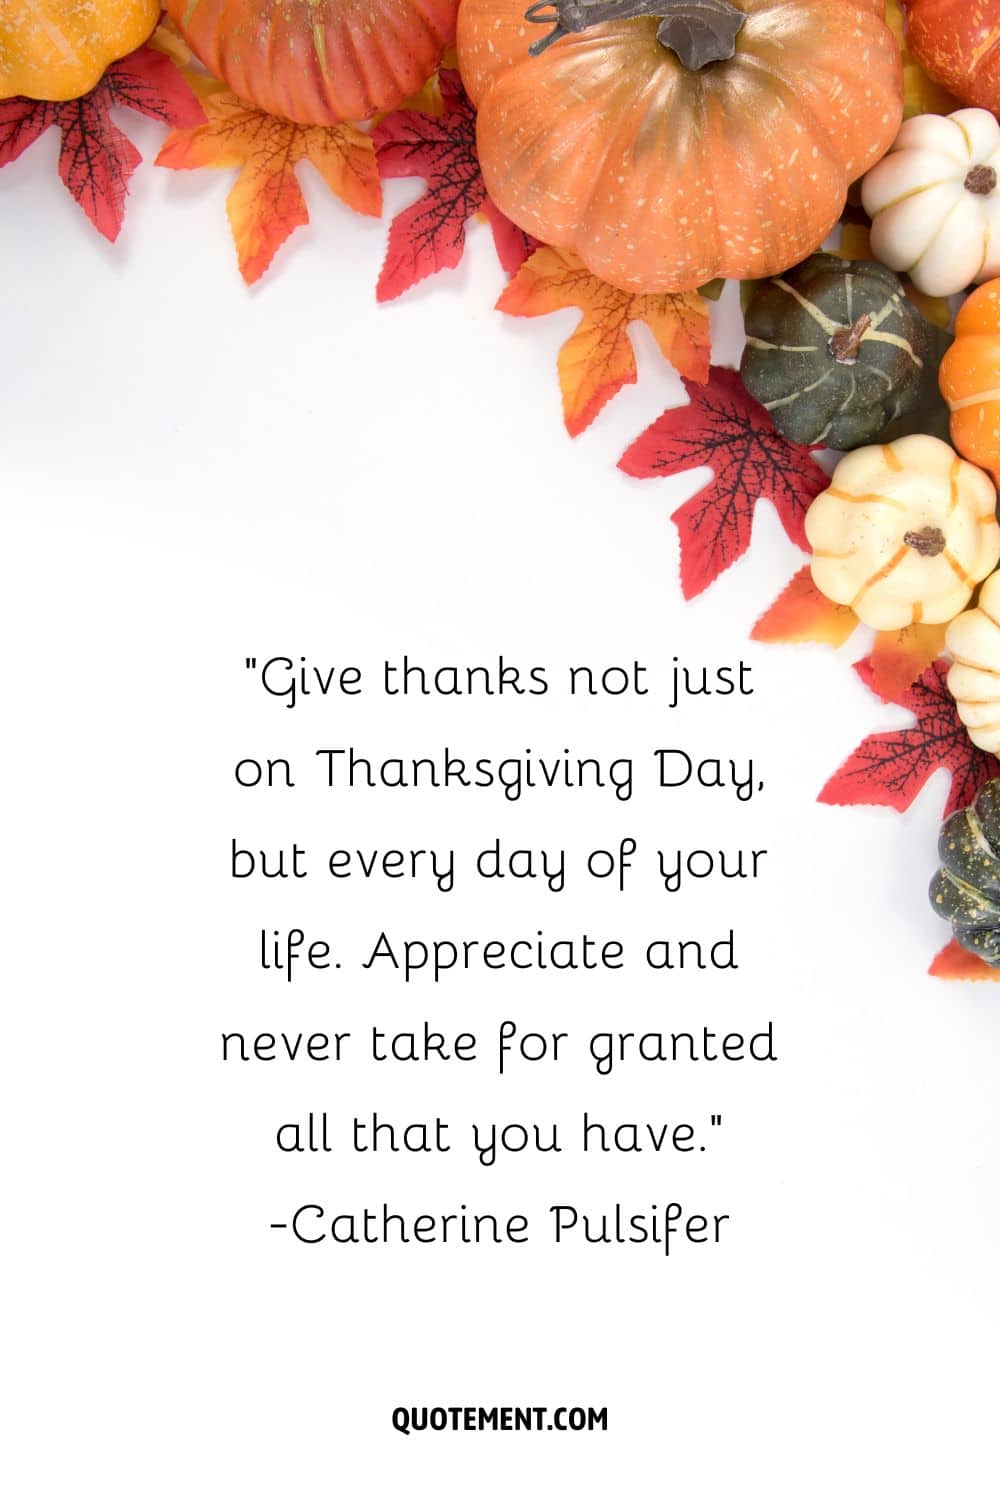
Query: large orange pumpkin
x,y
958,43
660,175
319,61
970,379
58,49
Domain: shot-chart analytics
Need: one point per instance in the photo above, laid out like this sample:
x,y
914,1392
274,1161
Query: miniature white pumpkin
x,y
904,533
934,201
974,681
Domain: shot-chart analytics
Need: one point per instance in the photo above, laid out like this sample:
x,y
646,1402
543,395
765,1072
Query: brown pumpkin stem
x,y
699,32
930,542
845,346
981,180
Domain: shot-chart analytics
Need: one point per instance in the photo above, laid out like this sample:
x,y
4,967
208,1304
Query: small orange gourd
x,y
318,62
970,379
58,49
668,142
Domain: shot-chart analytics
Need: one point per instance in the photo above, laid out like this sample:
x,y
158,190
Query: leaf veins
x,y
889,769
429,236
725,430
598,359
97,160
266,203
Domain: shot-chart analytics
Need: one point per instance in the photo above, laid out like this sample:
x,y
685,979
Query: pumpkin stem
x,y
981,180
930,542
699,32
845,346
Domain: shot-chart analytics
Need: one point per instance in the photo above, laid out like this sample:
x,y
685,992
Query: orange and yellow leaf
x,y
955,962
598,359
266,203
899,657
166,38
802,613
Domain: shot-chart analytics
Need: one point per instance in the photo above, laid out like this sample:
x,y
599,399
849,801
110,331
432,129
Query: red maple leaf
x,y
725,430
429,236
889,769
97,160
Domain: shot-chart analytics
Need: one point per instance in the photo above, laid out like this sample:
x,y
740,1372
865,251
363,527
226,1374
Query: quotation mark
x,y
250,662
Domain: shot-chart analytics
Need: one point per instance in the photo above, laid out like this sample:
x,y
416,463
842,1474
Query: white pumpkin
x,y
974,680
934,201
904,533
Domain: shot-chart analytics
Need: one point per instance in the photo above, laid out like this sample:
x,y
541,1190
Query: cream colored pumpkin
x,y
904,533
934,201
974,680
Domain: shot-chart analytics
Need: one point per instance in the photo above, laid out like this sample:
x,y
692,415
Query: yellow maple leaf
x,y
266,203
598,359
167,39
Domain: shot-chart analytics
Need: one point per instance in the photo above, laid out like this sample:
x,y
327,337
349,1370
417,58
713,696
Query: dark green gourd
x,y
966,889
835,351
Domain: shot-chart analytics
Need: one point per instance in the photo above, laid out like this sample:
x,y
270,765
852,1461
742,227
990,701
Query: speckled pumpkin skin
x,y
58,49
319,61
661,179
966,889
958,43
789,364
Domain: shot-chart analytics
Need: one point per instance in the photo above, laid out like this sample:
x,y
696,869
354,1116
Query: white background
x,y
193,473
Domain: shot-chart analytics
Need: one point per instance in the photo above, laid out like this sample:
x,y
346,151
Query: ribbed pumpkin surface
x,y
319,61
970,379
660,178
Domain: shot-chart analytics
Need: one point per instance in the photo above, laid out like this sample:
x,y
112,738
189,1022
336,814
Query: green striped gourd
x,y
835,351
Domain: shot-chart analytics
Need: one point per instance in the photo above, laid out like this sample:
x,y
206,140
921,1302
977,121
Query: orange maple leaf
x,y
598,359
266,203
899,657
802,613
954,962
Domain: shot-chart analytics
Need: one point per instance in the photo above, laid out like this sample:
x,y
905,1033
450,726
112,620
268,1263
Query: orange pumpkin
x,y
58,49
319,61
958,43
970,379
665,168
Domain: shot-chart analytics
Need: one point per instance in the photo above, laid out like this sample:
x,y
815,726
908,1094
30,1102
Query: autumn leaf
x,y
890,768
802,613
166,38
426,100
266,203
598,359
97,161
900,657
956,962
429,236
725,430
